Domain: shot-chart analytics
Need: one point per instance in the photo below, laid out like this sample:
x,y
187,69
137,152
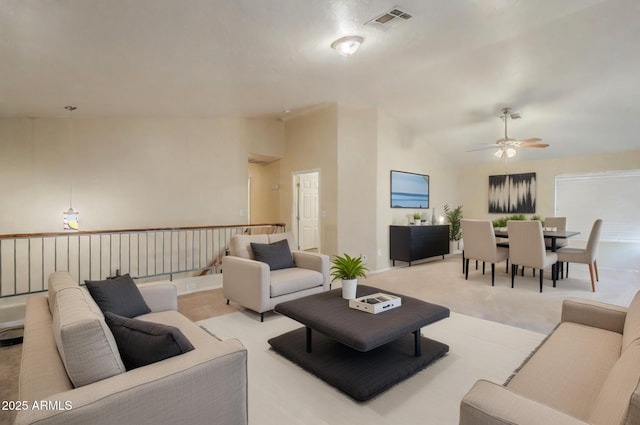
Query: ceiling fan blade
x,y
535,145
531,140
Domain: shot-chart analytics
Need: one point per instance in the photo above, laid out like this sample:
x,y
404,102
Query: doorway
x,y
306,223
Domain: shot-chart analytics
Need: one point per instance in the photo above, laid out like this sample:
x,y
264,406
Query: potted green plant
x,y
348,269
453,217
417,219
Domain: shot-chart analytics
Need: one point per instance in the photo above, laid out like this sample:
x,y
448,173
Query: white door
x,y
308,225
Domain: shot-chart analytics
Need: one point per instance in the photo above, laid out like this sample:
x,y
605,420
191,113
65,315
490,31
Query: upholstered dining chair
x,y
526,248
560,223
480,244
586,255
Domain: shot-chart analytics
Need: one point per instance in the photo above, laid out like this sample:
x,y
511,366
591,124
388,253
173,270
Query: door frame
x,y
294,204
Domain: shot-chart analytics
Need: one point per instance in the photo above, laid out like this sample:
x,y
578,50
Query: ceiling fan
x,y
506,146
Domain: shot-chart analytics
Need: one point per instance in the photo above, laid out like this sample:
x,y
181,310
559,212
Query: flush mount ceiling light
x,y
346,46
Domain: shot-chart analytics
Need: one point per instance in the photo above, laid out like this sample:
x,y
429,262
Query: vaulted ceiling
x,y
571,67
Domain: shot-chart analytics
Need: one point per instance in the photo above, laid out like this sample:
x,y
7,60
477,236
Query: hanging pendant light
x,y
70,216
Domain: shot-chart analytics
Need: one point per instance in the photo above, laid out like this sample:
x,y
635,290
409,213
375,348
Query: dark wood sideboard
x,y
411,243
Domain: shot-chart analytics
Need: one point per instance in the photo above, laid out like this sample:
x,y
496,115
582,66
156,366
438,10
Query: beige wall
x,y
265,192
265,138
473,187
126,173
398,149
357,196
473,190
310,143
159,172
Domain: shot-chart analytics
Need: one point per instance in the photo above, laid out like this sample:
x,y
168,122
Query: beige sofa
x,y
207,385
254,285
586,372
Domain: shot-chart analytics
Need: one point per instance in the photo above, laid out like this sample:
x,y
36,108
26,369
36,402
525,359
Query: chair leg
x,y
522,273
476,264
595,266
261,317
227,302
554,273
506,270
463,261
514,271
593,285
567,274
466,273
483,263
493,273
541,278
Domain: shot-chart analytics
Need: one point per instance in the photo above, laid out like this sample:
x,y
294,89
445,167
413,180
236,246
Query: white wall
x,y
126,173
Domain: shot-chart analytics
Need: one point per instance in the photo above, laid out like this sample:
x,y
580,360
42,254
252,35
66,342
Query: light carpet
x,y
280,392
442,282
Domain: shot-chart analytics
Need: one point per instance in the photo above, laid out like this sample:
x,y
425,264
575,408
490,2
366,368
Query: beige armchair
x,y
253,284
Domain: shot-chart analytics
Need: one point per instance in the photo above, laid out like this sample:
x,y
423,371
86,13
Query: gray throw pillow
x,y
277,255
119,295
141,343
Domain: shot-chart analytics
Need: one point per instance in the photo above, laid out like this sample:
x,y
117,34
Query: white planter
x,y
349,287
455,247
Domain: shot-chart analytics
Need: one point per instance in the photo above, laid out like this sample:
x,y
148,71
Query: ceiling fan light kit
x,y
507,146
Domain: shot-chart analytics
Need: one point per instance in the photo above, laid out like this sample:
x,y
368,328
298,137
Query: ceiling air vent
x,y
389,17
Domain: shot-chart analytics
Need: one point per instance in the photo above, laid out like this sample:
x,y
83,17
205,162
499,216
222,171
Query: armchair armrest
x,y
246,282
160,297
488,403
314,261
593,313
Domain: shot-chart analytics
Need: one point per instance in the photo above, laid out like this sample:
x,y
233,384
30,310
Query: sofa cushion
x,y
119,295
569,369
287,281
141,342
85,343
56,282
631,330
277,255
614,404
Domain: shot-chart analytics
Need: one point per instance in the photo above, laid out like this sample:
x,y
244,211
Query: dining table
x,y
548,233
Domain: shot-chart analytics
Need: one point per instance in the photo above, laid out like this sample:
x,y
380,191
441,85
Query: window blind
x,y
611,196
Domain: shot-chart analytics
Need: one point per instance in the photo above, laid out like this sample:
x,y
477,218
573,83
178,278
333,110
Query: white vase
x,y
349,287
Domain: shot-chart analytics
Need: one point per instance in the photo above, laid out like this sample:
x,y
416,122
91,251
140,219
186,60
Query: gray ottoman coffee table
x,y
361,354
